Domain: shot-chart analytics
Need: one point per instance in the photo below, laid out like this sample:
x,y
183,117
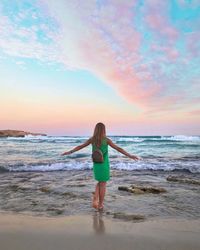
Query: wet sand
x,y
95,231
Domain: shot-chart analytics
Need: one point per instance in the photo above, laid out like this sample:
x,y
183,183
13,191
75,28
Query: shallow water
x,y
70,192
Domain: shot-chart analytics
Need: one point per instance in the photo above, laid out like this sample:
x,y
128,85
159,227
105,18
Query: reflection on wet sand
x,y
98,223
22,232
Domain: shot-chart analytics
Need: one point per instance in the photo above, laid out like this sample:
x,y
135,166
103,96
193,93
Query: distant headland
x,y
17,133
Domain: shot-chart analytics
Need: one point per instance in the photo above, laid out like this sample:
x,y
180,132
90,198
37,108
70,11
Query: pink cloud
x,y
157,19
108,47
160,24
192,44
171,53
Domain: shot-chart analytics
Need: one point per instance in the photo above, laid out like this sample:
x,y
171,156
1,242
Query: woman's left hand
x,y
134,157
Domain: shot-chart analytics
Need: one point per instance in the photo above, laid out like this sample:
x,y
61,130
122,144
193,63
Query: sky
x,y
132,64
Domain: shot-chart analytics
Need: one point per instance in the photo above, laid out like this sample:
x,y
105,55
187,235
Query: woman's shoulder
x,y
107,140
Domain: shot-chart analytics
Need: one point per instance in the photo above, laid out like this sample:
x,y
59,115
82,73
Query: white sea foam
x,y
153,166
138,165
181,138
48,138
28,137
51,167
130,139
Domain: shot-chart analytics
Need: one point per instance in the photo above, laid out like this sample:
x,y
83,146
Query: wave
x,y
47,138
49,167
26,137
130,139
157,167
85,165
117,139
174,138
181,138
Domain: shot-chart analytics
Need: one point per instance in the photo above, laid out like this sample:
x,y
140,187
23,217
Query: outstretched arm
x,y
121,150
85,144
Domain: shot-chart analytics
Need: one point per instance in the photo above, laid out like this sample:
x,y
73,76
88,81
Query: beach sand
x,y
94,231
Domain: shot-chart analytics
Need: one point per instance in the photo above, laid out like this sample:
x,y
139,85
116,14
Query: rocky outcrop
x,y
142,189
181,179
17,133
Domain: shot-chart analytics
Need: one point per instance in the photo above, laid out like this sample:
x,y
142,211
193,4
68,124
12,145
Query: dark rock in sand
x,y
76,185
69,194
142,189
182,180
123,188
128,217
14,187
45,189
137,191
17,133
34,203
55,210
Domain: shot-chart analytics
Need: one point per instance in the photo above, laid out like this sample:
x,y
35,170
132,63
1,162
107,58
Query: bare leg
x,y
102,192
95,200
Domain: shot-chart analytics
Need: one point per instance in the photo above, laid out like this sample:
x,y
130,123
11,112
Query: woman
x,y
101,170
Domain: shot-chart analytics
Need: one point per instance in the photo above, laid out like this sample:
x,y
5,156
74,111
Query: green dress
x,y
101,171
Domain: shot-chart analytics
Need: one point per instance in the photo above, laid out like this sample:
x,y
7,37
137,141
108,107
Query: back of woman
x,y
101,171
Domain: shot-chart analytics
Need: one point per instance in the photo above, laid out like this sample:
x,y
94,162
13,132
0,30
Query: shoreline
x,y
94,231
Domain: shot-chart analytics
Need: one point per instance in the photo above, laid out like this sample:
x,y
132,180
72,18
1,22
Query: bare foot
x,y
94,201
100,206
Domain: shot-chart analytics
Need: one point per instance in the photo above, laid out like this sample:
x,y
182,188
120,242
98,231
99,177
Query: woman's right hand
x,y
66,153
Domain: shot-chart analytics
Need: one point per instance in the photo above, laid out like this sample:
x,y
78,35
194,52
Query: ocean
x,y
35,179
43,153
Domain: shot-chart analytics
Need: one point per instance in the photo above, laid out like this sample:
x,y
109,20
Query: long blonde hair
x,y
99,134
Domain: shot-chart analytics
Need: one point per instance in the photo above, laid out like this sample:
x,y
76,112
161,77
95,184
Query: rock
x,y
55,210
124,188
44,189
75,185
158,190
69,194
137,191
142,189
34,203
24,187
14,187
149,189
17,133
183,180
128,217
